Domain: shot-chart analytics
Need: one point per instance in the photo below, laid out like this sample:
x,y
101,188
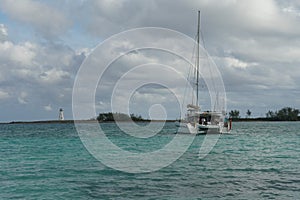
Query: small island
x,y
111,117
284,114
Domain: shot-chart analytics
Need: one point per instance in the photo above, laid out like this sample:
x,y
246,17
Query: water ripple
x,y
48,161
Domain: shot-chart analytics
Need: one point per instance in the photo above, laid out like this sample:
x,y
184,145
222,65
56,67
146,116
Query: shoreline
x,y
143,121
76,121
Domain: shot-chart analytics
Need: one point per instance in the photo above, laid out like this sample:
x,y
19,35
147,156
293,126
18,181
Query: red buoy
x,y
230,123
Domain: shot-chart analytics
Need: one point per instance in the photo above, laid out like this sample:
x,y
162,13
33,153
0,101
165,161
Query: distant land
x,y
76,121
284,114
259,119
50,121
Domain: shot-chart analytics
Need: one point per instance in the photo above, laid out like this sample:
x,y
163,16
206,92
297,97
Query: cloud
x,y
47,20
255,44
22,54
4,95
37,73
3,32
54,76
48,107
234,62
22,98
252,41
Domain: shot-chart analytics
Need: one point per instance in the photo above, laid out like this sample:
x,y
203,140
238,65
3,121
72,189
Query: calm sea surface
x,y
49,161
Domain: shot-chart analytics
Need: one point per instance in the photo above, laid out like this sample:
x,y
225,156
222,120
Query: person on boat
x,y
203,121
226,122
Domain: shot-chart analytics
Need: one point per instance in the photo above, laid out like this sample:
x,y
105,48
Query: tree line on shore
x,y
284,114
110,117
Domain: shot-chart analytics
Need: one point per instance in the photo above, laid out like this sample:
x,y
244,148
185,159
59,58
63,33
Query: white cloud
x,y
18,54
48,107
4,95
22,98
54,76
3,32
233,62
45,19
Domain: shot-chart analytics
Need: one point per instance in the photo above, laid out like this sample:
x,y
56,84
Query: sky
x,y
255,44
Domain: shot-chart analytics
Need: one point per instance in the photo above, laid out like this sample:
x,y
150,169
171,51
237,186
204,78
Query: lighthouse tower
x,y
61,114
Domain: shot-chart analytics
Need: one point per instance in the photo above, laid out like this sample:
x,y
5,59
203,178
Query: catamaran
x,y
196,121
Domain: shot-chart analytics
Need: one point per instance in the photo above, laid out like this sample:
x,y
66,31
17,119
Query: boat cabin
x,y
213,118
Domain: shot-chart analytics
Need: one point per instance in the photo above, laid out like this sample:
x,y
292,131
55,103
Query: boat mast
x,y
198,62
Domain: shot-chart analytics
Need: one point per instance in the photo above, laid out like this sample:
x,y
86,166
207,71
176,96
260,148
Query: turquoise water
x,y
48,161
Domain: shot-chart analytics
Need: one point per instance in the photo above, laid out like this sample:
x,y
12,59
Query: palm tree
x,y
270,114
234,114
248,113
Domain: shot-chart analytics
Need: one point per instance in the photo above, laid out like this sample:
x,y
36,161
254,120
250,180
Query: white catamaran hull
x,y
210,129
188,128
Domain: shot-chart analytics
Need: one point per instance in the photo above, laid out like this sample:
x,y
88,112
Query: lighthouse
x,y
61,114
